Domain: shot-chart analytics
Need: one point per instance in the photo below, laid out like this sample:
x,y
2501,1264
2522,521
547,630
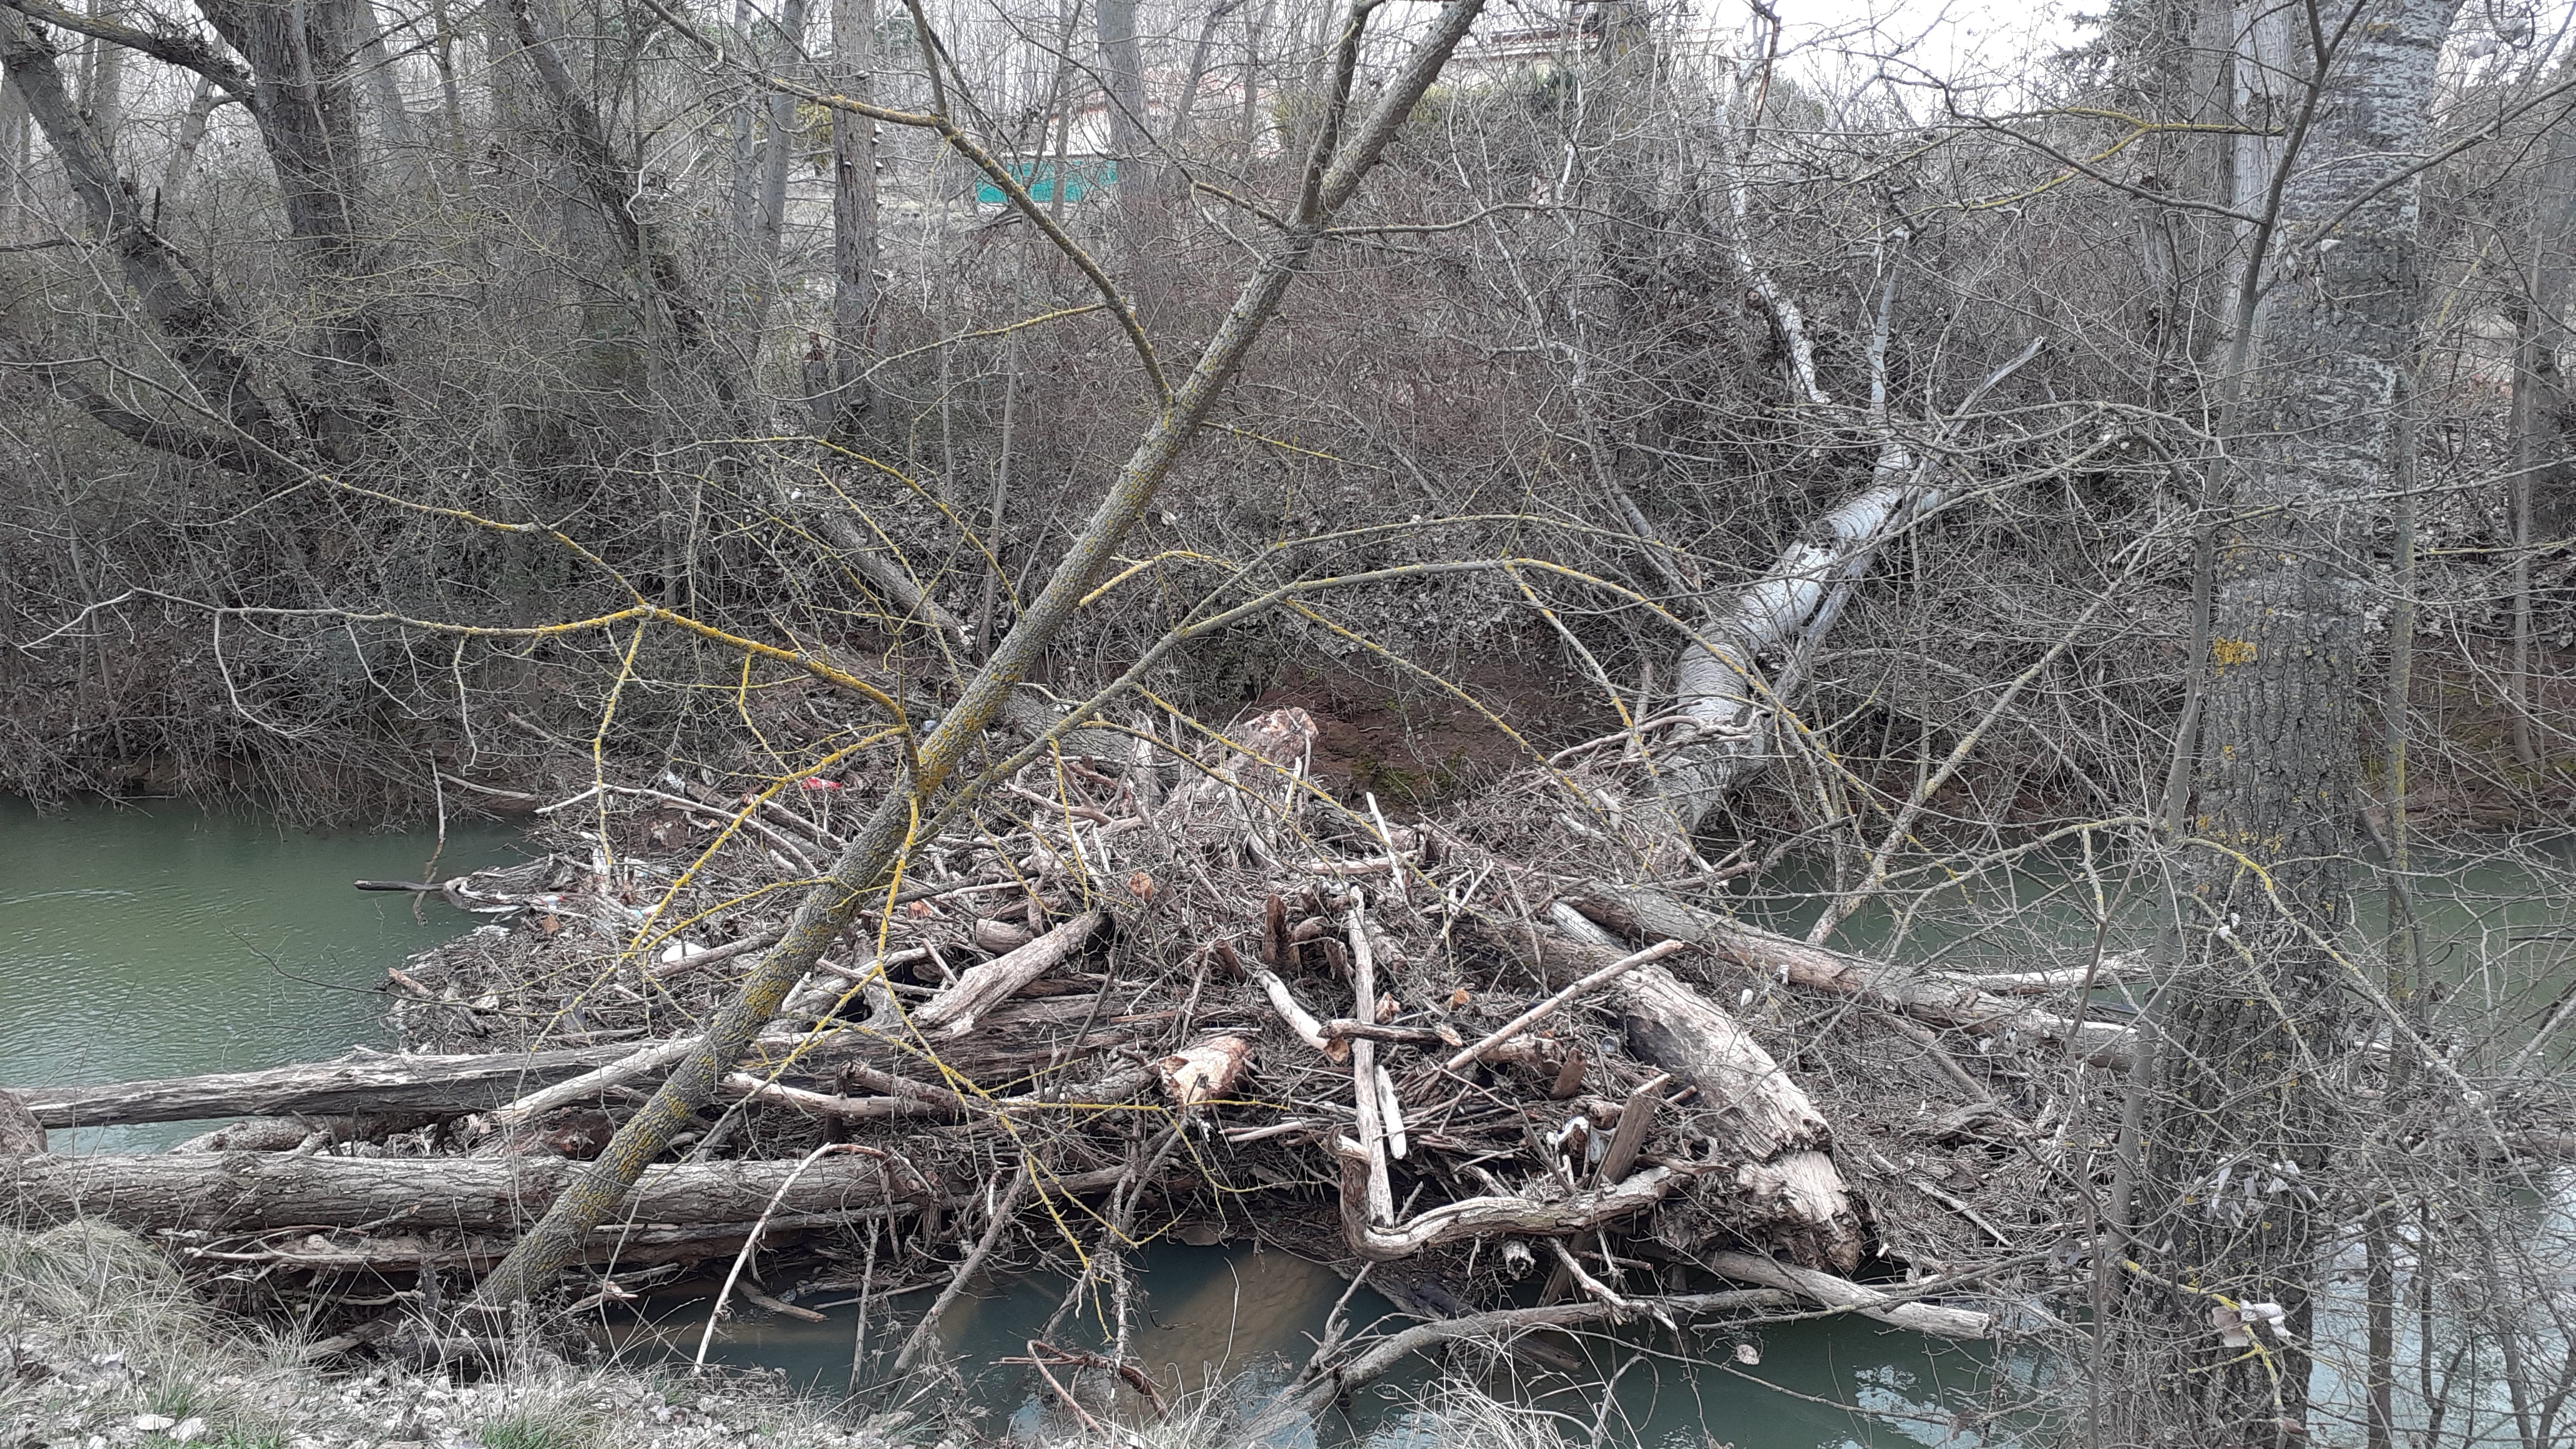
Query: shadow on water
x,y
1238,1323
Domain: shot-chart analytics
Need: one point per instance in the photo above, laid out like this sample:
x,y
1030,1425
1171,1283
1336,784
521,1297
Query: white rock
x,y
189,1429
153,1423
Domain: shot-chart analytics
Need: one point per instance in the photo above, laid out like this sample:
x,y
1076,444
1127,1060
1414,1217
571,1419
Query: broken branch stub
x,y
953,1011
1206,1071
1788,1192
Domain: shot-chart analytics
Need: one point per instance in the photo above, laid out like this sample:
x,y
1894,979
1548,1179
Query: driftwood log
x,y
368,1083
954,1011
341,1214
1769,1129
237,1192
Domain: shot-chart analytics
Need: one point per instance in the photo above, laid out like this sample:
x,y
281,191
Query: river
x,y
158,941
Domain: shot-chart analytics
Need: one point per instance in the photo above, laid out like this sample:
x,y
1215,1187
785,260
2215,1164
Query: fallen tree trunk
x,y
465,1210
1833,1292
514,1086
373,1084
288,1134
1721,705
1791,1194
253,1191
1643,915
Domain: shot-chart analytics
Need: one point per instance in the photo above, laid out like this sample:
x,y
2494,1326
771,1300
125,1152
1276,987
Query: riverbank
x,y
106,1344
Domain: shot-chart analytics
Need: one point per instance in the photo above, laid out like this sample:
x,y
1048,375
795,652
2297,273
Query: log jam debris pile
x,y
1154,989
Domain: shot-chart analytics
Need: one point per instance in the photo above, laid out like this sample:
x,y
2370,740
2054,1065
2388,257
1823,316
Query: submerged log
x,y
1944,1001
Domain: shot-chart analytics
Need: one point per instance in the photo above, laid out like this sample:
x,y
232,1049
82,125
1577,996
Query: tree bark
x,y
359,1084
2246,1101
842,405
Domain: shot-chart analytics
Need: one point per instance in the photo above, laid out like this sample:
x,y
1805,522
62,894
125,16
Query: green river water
x,y
158,941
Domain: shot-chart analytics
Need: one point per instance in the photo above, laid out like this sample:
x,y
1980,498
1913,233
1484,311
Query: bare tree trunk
x,y
746,129
1252,80
1122,69
1185,105
2528,445
17,152
451,98
845,403
103,81
2542,498
772,220
299,56
200,330
192,134
384,83
2208,1334
2553,482
1061,97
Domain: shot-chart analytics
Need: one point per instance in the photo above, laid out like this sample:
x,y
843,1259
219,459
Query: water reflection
x,y
1238,1323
